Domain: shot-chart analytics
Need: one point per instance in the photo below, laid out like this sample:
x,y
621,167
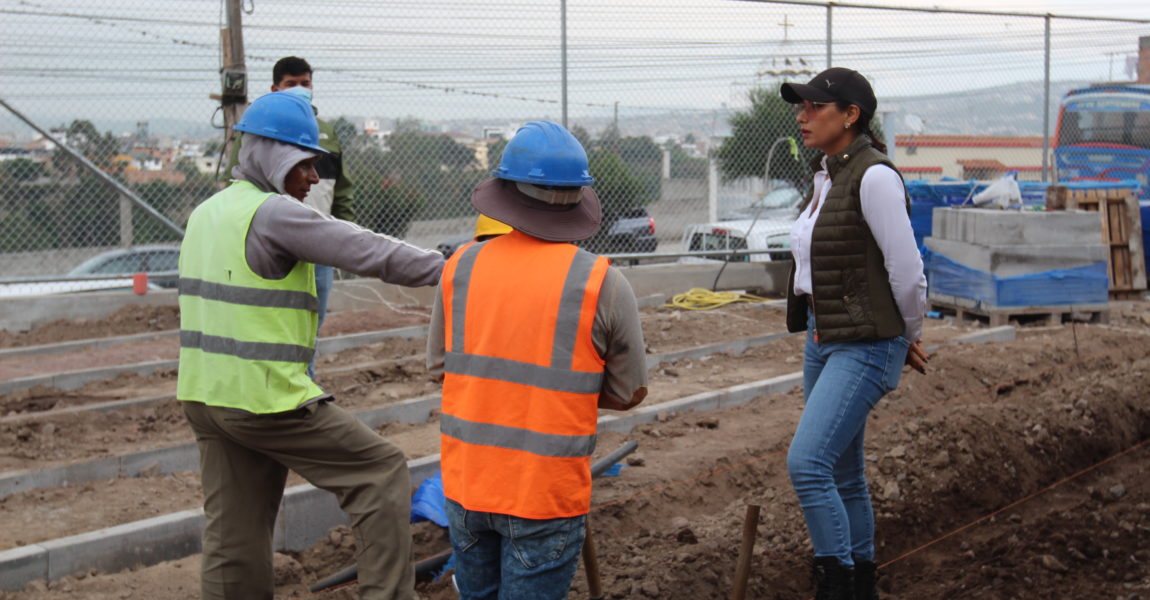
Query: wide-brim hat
x,y
501,200
834,85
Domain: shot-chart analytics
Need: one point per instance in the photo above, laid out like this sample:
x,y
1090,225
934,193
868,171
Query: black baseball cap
x,y
833,85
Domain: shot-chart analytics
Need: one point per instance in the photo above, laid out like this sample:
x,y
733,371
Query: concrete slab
x,y
146,542
19,481
18,566
87,344
1012,260
1020,228
71,380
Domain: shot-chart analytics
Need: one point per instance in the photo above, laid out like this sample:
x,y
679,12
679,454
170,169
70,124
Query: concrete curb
x,y
70,380
184,457
307,513
85,344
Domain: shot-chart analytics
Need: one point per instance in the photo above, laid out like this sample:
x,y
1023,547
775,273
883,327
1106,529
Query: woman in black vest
x,y
858,289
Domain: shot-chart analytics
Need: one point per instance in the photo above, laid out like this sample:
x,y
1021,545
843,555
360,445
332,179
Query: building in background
x,y
968,156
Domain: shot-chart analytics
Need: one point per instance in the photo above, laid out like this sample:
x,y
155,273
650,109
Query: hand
x,y
916,357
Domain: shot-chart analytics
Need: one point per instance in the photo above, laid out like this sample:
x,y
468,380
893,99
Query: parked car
x,y
161,263
773,235
777,203
627,231
106,272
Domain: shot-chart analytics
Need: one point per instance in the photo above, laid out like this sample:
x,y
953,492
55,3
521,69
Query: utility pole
x,y
563,51
233,74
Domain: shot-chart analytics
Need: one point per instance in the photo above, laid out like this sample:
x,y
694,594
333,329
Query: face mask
x,y
300,91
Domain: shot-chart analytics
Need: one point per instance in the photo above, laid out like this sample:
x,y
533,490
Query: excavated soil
x,y
1011,470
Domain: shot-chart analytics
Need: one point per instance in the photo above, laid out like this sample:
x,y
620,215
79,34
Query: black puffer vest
x,y
853,299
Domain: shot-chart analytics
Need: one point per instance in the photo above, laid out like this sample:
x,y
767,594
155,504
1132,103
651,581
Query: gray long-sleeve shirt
x,y
285,231
616,333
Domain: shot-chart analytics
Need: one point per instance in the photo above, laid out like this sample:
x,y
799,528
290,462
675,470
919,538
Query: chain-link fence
x,y
676,102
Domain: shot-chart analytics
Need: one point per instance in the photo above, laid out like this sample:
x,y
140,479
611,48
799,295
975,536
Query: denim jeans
x,y
324,275
842,382
500,557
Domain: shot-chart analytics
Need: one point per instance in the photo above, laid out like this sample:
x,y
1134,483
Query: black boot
x,y
835,580
866,579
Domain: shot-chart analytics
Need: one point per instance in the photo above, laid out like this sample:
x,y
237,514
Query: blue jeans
x,y
500,557
842,382
324,275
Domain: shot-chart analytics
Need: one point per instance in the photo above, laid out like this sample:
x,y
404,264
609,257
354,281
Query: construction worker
x,y
247,332
531,335
333,194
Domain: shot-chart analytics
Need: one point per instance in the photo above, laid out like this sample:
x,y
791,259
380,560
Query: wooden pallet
x,y
968,309
1121,231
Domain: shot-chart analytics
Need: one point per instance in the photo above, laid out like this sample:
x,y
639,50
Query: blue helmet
x,y
544,153
284,117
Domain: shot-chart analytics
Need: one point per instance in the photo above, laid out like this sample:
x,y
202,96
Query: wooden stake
x,y
743,570
591,565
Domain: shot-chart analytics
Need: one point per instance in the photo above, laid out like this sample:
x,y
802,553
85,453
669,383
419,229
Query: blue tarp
x,y
428,502
1081,285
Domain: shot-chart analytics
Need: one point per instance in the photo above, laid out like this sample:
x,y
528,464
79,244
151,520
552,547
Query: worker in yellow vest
x,y
247,332
532,336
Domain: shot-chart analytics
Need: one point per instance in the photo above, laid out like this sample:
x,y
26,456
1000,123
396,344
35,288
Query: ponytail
x,y
864,129
863,125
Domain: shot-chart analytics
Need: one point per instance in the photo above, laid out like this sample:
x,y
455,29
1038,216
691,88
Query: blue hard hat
x,y
544,153
284,117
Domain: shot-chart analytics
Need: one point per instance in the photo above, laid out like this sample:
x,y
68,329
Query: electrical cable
x,y
704,299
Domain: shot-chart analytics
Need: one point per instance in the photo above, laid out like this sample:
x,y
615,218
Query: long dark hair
x,y
863,126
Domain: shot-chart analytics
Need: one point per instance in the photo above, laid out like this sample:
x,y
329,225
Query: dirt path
x,y
991,425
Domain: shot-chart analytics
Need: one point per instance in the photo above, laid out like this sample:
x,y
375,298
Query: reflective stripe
x,y
514,438
460,283
247,296
570,309
513,371
246,350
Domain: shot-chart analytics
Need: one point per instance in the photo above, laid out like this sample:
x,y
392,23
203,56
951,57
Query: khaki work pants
x,y
244,460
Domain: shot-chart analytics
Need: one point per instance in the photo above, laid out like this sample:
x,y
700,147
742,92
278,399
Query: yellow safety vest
x,y
245,341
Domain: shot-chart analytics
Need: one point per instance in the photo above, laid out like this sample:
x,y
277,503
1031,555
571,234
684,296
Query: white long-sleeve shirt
x,y
884,210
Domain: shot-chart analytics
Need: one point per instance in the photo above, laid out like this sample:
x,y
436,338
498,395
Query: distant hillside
x,y
1003,110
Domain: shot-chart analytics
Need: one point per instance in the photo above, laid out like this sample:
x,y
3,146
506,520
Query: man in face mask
x,y
247,333
333,193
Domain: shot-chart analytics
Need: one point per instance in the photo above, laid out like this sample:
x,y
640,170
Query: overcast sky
x,y
496,59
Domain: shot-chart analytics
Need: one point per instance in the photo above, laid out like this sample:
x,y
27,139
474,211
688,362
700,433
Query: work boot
x,y
835,580
866,580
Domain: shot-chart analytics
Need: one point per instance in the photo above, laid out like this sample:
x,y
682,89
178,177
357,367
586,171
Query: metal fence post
x,y
1046,104
830,43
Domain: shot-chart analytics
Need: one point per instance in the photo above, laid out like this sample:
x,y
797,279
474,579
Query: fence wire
x,y
676,101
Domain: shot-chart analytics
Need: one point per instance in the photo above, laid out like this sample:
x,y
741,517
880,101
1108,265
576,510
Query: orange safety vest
x,y
521,377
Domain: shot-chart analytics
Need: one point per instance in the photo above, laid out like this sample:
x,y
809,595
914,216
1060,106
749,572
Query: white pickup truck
x,y
764,225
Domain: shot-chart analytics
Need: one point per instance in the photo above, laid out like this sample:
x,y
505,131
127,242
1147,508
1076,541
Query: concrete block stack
x,y
1011,258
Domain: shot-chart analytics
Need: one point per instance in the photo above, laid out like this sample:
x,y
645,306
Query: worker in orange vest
x,y
532,336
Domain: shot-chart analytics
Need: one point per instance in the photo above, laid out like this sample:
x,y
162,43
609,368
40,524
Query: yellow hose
x,y
702,299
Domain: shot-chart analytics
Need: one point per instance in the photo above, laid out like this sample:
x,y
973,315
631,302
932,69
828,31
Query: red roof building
x,y
968,156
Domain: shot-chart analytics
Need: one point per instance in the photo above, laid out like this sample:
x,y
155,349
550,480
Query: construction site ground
x,y
1010,470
